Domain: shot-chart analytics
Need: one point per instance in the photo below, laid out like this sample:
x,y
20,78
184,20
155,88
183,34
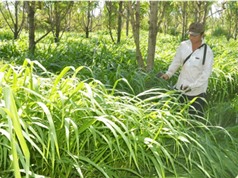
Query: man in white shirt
x,y
195,59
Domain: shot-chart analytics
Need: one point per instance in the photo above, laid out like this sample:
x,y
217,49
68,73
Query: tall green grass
x,y
106,118
64,126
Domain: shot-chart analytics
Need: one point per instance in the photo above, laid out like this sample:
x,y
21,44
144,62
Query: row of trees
x,y
56,17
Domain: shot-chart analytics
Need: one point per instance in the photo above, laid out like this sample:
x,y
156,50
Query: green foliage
x,y
83,109
5,35
81,129
219,31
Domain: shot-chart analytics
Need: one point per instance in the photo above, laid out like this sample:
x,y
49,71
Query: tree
x,y
201,10
85,16
231,15
127,20
184,19
154,23
12,17
182,13
153,29
119,22
111,15
114,12
31,9
57,12
31,24
135,23
114,18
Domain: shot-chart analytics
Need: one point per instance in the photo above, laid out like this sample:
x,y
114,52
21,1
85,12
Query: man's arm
x,y
176,63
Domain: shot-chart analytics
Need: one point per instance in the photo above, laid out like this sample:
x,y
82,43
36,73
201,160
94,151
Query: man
x,y
195,59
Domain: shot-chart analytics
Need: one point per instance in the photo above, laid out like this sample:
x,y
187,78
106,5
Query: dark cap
x,y
196,28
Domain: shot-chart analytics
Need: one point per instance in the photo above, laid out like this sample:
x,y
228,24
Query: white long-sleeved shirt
x,y
193,73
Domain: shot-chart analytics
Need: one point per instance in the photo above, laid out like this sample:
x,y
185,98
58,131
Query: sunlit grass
x,y
97,115
67,127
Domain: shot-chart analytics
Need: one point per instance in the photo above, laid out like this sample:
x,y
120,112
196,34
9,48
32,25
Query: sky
x,y
96,11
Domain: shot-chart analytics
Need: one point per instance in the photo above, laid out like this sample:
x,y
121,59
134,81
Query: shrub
x,y
219,31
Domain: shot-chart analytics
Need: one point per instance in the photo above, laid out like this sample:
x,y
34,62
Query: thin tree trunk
x,y
206,6
57,23
153,29
135,22
127,21
16,22
119,25
31,23
88,20
109,10
15,28
31,8
184,25
197,12
236,25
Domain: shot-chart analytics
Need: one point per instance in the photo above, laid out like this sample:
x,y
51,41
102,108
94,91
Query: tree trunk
x,y
206,9
14,18
31,8
153,29
109,10
197,11
127,21
87,28
236,25
184,23
119,25
16,22
31,23
57,13
135,23
57,23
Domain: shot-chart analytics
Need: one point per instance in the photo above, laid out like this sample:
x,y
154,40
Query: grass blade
x,y
16,130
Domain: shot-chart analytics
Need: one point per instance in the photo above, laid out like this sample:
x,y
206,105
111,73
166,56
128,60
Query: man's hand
x,y
165,77
185,88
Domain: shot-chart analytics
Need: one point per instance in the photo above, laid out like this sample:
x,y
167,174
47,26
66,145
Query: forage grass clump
x,y
63,126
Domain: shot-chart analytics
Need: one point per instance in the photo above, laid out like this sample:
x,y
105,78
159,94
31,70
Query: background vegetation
x,y
81,107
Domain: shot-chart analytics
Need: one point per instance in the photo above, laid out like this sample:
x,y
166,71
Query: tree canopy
x,y
116,17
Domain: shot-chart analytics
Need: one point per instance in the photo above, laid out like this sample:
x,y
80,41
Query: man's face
x,y
195,38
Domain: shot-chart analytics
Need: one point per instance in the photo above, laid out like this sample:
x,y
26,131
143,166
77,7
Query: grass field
x,y
82,109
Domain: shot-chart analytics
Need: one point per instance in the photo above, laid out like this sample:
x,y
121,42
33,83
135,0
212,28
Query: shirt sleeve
x,y
176,63
207,70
